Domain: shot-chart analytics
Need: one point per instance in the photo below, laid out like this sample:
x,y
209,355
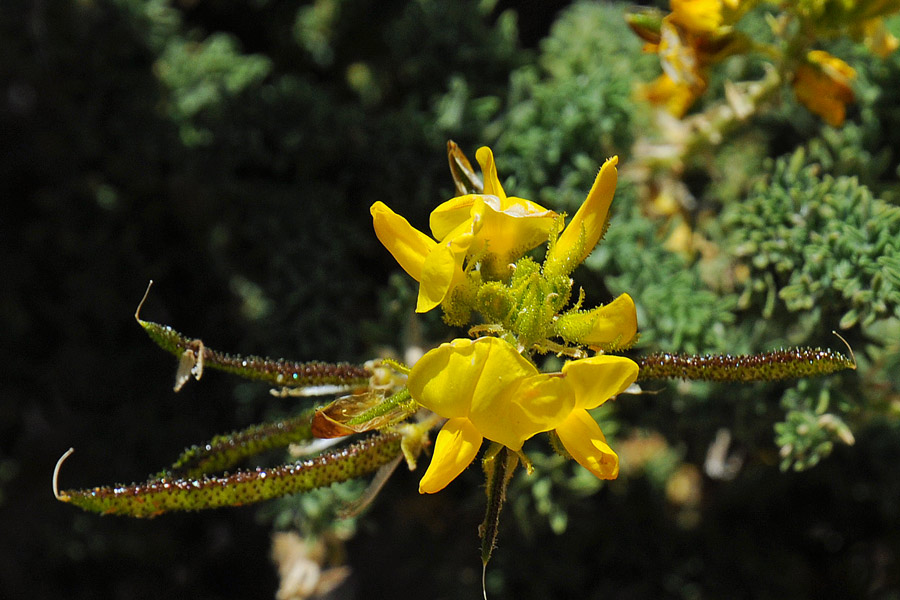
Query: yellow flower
x,y
486,389
491,226
589,223
822,84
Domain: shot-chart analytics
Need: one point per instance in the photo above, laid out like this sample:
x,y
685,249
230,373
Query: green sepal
x,y
557,445
646,23
399,407
495,302
457,307
575,326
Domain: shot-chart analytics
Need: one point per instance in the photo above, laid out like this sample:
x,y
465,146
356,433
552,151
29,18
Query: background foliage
x,y
230,151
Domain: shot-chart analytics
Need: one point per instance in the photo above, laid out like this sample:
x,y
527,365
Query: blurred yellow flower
x,y
675,98
684,77
486,389
822,84
679,55
693,36
878,39
699,16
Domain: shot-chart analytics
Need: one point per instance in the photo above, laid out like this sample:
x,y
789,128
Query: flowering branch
x,y
474,262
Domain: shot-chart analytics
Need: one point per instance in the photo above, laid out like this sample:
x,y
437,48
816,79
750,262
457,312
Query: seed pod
x,y
316,378
162,495
224,451
789,363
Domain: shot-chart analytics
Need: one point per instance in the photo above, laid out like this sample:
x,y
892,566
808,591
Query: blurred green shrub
x,y
817,243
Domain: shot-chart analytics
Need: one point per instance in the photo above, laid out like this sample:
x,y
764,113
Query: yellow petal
x,y
442,269
509,232
615,322
438,273
832,66
440,382
591,216
492,186
455,448
500,369
509,226
489,383
538,403
408,245
447,379
451,214
520,207
595,380
584,440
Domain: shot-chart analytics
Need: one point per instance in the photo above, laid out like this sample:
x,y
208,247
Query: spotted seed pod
x,y
791,363
316,378
224,451
196,356
161,495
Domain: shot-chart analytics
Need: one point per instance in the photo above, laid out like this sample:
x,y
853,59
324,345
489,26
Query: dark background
x,y
238,175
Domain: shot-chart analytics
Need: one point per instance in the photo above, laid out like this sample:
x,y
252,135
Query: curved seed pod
x,y
280,372
224,451
789,363
163,495
194,356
